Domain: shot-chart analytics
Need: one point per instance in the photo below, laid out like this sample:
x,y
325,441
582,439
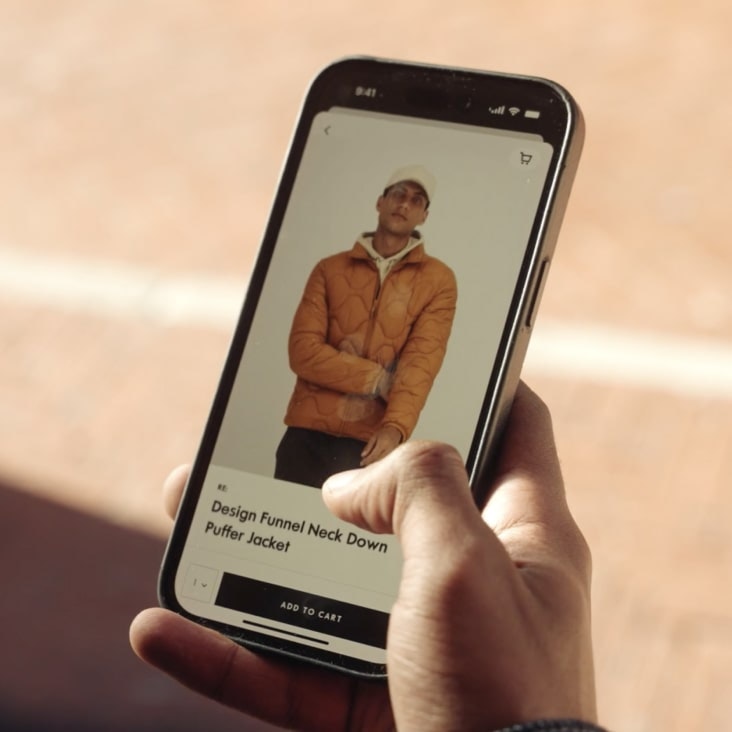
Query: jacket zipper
x,y
372,313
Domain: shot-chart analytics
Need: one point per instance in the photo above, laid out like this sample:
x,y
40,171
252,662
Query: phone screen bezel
x,y
424,92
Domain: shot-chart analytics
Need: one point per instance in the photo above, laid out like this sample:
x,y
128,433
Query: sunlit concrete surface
x,y
140,146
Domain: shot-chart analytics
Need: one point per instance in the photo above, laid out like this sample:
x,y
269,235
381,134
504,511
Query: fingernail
x,y
339,482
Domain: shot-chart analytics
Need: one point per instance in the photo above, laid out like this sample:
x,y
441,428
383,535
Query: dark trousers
x,y
309,457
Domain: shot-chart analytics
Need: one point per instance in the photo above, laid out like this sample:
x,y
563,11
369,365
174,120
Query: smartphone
x,y
392,299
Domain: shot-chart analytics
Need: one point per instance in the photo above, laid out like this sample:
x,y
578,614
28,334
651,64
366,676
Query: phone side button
x,y
536,295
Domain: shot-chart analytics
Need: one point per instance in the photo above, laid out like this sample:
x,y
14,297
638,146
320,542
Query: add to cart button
x,y
303,610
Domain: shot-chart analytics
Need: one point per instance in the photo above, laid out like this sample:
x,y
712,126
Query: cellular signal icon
x,y
514,111
497,110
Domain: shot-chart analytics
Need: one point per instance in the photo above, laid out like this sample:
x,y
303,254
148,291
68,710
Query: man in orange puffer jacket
x,y
367,340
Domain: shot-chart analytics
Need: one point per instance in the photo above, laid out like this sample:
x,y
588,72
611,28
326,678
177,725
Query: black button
x,y
536,295
303,610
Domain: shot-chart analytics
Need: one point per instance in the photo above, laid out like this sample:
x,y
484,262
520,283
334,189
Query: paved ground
x,y
140,144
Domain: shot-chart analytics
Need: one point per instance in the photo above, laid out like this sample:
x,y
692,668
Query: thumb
x,y
419,492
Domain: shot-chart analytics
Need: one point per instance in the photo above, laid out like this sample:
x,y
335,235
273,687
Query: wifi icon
x,y
514,111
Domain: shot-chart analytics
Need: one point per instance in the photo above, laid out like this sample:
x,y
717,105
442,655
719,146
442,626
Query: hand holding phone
x,y
392,300
492,624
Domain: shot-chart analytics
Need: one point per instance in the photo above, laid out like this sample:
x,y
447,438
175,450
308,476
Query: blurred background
x,y
140,144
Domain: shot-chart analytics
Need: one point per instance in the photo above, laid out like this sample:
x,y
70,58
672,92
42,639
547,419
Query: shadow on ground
x,y
72,584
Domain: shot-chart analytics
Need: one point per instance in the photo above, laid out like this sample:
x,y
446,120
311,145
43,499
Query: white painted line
x,y
585,351
682,365
114,289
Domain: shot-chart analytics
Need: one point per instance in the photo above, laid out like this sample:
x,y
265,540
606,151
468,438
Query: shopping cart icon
x,y
526,158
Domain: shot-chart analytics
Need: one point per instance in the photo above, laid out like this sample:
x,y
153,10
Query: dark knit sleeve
x,y
554,725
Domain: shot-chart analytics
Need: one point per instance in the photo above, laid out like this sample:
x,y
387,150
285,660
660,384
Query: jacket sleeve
x,y
422,355
314,359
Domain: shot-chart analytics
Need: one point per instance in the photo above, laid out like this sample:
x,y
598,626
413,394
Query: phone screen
x,y
339,337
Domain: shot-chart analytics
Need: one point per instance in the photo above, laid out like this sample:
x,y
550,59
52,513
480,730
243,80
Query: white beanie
x,y
416,174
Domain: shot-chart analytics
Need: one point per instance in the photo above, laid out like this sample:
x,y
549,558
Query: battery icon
x,y
532,113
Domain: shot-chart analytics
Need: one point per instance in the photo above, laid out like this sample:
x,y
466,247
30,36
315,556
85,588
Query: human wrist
x,y
396,429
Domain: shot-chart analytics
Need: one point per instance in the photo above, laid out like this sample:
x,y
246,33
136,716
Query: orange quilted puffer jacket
x,y
348,331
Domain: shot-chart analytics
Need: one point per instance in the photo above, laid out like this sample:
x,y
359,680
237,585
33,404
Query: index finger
x,y
528,507
173,488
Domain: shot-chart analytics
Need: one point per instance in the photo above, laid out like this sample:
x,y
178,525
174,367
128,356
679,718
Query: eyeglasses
x,y
400,194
